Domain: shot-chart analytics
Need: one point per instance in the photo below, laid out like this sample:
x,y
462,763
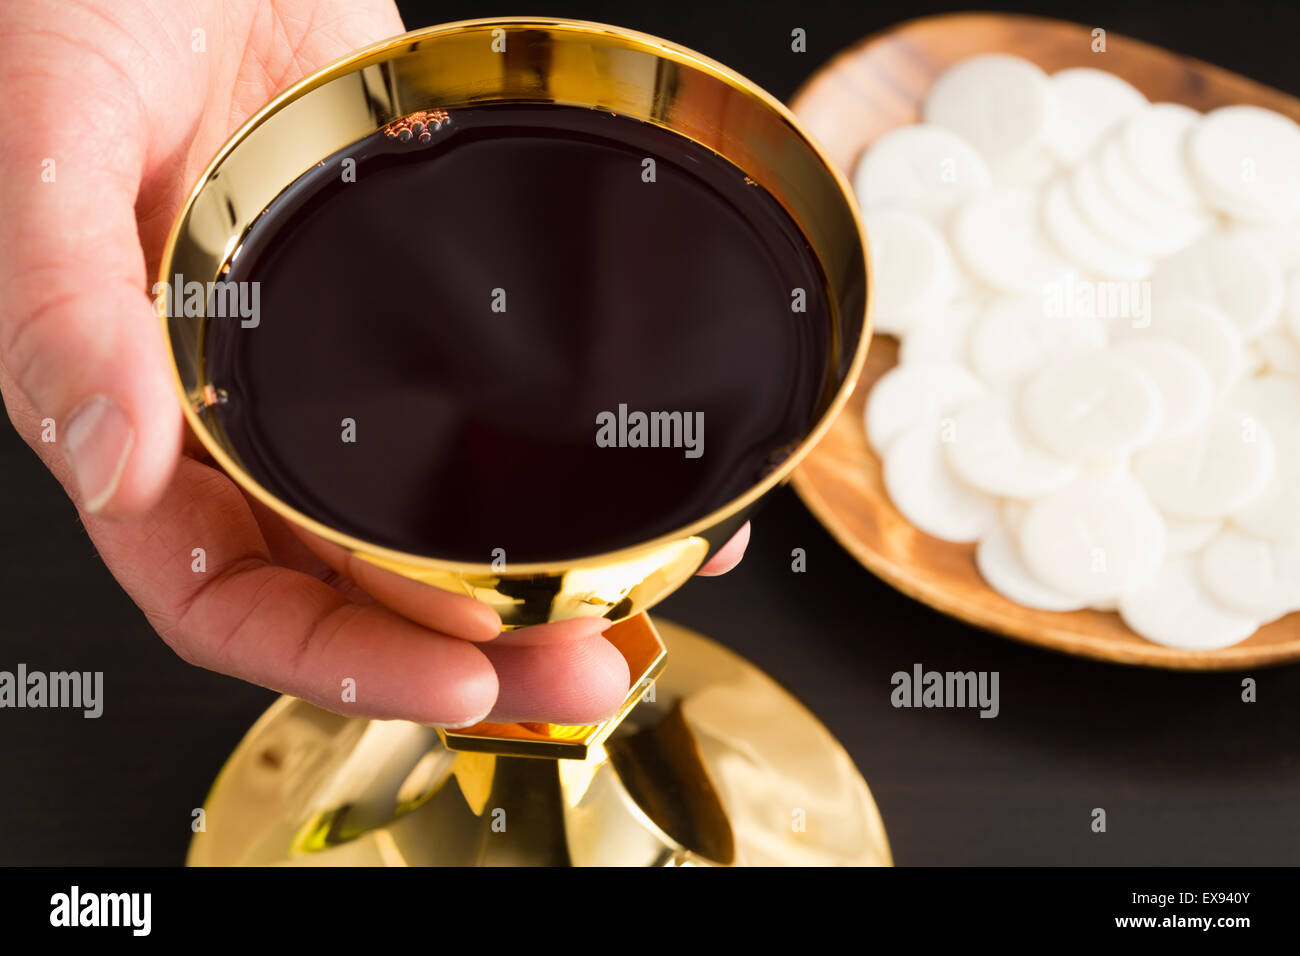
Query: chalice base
x,y
721,766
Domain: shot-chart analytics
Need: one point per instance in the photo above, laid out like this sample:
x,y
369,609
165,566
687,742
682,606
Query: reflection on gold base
x,y
722,767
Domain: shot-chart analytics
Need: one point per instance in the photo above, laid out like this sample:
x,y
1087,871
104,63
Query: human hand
x,y
113,111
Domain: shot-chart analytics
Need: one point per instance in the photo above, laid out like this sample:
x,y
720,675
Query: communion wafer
x,y
1002,105
1095,408
1186,392
1014,335
1113,219
1281,240
1232,273
1200,328
987,448
999,237
1154,143
940,336
913,268
1077,240
1089,104
1255,362
909,396
1275,513
999,562
1216,470
924,168
1093,539
1293,304
1189,535
1176,225
1031,169
1173,609
928,495
1107,469
1012,512
1246,161
1280,351
1272,398
1251,576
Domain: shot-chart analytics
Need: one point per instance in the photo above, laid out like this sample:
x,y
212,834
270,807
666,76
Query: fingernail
x,y
463,724
556,632
96,442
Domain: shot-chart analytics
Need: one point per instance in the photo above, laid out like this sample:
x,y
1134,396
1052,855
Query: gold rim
x,y
662,47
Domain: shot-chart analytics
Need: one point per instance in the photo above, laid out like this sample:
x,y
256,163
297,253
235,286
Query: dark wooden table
x,y
1187,772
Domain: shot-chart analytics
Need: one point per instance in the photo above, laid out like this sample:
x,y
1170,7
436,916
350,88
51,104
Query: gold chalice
x,y
713,763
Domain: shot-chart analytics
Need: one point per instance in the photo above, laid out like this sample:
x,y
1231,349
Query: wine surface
x,y
459,320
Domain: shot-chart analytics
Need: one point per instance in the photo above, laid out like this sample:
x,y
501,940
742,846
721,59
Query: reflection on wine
x,y
476,326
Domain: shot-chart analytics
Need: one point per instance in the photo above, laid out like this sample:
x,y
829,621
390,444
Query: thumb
x,y
78,334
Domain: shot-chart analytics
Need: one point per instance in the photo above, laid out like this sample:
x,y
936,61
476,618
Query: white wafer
x,y
927,494
1216,470
999,562
910,395
927,169
1250,576
1094,408
1113,219
1229,272
1293,304
1002,105
940,335
988,450
1014,335
1077,239
1273,399
1201,329
1280,351
1282,241
998,236
1093,540
1108,469
1246,161
1013,512
1189,535
1256,363
1090,103
1031,169
1174,224
914,270
1172,609
1275,514
1186,390
1154,141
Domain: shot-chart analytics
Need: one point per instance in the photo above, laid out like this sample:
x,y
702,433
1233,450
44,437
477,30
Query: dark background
x,y
1188,773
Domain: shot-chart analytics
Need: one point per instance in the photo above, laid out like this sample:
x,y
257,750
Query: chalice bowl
x,y
543,309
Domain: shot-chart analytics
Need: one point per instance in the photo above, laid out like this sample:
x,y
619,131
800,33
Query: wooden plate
x,y
869,89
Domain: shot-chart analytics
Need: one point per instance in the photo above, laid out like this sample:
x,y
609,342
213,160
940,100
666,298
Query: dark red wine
x,y
490,298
